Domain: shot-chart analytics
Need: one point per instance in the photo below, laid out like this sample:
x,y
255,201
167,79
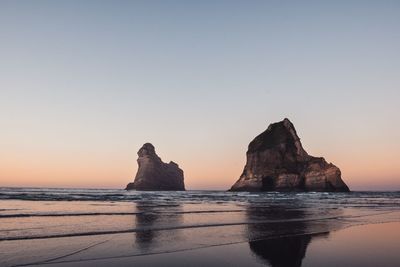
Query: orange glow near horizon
x,y
91,163
216,172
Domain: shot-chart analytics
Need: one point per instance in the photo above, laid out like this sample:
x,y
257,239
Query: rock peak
x,y
146,149
278,133
276,161
284,123
153,174
287,122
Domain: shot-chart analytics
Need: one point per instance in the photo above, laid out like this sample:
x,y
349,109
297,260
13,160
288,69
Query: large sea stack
x,y
276,161
155,175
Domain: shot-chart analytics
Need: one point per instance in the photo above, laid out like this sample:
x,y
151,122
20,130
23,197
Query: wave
x,y
113,213
45,194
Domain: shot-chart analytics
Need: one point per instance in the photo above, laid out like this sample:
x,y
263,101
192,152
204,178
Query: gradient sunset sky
x,y
83,84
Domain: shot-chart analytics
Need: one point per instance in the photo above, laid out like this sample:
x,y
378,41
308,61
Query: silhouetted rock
x,y
276,161
153,174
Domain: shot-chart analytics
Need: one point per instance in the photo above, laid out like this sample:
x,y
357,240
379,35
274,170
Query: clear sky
x,y
83,84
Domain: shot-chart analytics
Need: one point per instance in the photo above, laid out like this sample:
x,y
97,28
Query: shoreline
x,y
207,229
193,190
328,239
182,227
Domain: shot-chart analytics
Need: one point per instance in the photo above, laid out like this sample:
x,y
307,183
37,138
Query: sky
x,y
84,84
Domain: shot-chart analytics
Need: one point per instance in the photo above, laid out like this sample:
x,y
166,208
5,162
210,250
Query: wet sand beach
x,y
363,246
198,228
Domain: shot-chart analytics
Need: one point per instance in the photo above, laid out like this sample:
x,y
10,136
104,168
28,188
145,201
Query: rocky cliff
x,y
153,174
276,161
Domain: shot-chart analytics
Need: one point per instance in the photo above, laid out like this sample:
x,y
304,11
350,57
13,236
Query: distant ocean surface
x,y
143,223
67,194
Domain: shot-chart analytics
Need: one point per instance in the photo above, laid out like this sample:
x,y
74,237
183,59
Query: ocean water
x,y
43,226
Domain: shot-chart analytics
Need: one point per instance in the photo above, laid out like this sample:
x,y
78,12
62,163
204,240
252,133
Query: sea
x,y
44,226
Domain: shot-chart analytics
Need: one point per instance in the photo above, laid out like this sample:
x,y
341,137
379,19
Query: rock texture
x,y
153,174
276,161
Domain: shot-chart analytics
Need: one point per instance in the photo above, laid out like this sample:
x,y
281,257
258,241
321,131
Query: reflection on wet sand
x,y
287,251
148,217
289,246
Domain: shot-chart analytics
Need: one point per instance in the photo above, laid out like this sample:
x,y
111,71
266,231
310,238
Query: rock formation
x,y
153,174
276,161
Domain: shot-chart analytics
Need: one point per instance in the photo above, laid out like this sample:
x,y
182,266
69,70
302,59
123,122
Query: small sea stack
x,y
276,161
155,175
